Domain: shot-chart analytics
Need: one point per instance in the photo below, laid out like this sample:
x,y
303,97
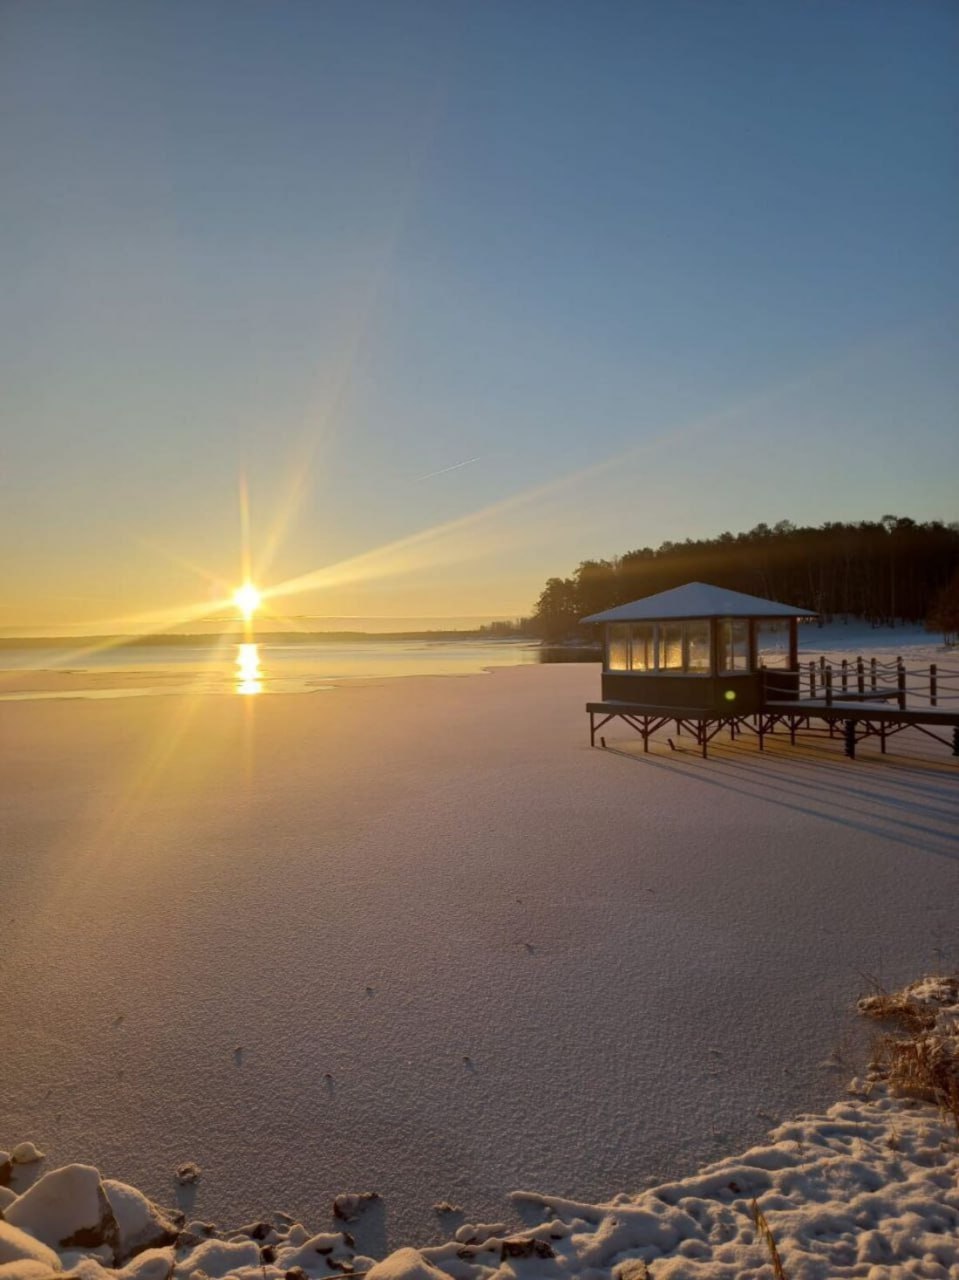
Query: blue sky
x,y
653,270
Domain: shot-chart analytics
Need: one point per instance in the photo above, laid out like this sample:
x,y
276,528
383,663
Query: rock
x,y
477,1232
218,1258
318,1255
72,1258
151,1264
6,1168
140,1223
255,1230
25,1269
26,1153
17,1245
6,1197
406,1264
525,1249
188,1173
66,1208
202,1229
349,1207
90,1269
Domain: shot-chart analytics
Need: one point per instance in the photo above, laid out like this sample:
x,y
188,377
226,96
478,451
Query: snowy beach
x,y
415,937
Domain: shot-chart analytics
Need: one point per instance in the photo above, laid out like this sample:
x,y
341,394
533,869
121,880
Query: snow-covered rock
x,y
7,1197
406,1264
348,1207
152,1264
140,1223
218,1258
15,1245
90,1268
65,1208
319,1255
26,1153
25,1269
72,1258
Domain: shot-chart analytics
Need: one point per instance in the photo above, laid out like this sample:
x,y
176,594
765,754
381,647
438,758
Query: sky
x,y
460,293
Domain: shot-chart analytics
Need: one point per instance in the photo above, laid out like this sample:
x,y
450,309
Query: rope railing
x,y
868,680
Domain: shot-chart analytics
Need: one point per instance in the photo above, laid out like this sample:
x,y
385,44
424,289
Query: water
x,y
249,669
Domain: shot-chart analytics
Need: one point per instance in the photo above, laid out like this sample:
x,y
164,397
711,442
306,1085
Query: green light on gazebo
x,y
730,695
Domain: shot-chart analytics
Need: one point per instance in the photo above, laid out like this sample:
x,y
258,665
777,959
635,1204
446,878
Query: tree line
x,y
884,571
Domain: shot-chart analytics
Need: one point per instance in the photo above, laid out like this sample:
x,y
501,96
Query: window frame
x,y
655,643
723,648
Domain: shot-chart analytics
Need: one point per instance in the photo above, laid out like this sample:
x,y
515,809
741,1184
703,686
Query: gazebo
x,y
706,658
697,651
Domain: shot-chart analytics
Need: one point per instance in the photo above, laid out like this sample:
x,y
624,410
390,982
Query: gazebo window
x,y
618,647
697,648
734,644
671,646
643,647
772,643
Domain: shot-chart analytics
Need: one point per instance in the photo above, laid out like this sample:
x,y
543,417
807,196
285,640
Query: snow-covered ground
x,y
416,938
869,1189
855,636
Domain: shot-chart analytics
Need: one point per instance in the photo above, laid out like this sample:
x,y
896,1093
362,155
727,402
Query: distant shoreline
x,y
205,640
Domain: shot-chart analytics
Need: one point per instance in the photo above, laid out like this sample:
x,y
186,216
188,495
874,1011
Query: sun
x,y
247,599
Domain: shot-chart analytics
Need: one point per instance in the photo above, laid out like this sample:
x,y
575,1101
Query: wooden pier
x,y
824,705
696,658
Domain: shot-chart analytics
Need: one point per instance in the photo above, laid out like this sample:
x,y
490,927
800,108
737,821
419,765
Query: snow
x,y
16,1245
140,1224
462,953
65,1207
698,600
867,1189
218,1258
24,1269
850,639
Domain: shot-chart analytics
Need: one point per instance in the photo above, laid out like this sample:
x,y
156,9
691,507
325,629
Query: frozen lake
x,y
413,936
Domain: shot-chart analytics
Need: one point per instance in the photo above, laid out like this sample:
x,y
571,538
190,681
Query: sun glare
x,y
248,671
247,599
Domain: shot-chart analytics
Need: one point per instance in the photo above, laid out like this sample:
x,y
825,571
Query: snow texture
x,y
17,1245
869,1189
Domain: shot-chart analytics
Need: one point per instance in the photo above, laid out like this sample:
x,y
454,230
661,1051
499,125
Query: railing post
x,y
901,682
860,675
933,685
872,674
812,679
845,675
829,686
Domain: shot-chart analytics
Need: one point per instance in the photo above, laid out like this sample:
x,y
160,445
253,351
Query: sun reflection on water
x,y
249,673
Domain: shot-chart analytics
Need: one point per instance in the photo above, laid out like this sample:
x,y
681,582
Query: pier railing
x,y
866,680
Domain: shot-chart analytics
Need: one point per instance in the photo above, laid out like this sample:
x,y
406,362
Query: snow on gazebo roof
x,y
698,600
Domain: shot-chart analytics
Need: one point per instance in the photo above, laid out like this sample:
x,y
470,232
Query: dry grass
x,y
922,1060
763,1231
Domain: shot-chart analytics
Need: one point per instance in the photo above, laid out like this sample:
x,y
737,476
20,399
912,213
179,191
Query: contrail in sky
x,y
443,470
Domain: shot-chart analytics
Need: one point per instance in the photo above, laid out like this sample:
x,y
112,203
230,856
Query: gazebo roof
x,y
698,600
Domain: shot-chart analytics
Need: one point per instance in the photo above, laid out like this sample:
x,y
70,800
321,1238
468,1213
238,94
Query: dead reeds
x,y
921,1059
